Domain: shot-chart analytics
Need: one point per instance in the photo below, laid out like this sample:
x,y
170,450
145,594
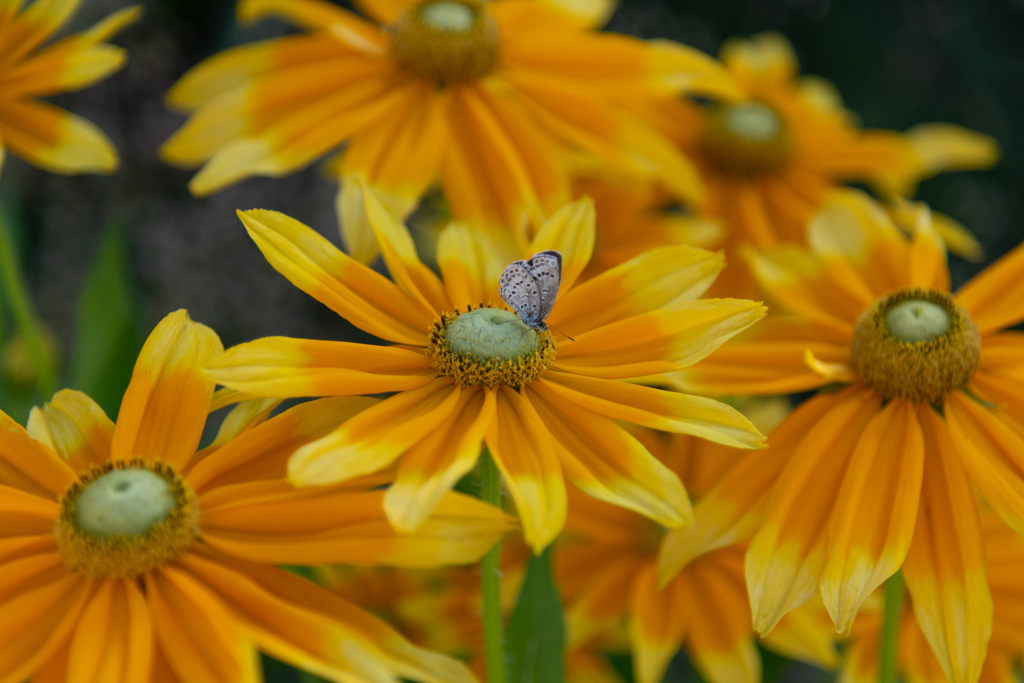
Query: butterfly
x,y
530,287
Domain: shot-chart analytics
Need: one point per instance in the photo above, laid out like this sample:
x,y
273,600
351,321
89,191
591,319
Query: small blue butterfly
x,y
530,287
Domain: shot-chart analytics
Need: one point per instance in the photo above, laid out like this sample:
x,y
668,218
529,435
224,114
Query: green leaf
x,y
536,633
108,333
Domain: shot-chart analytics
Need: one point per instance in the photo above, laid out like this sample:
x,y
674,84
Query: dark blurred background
x,y
129,248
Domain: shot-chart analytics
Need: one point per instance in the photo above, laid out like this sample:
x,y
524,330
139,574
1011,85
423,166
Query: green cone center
x,y
448,16
488,333
753,121
915,320
124,503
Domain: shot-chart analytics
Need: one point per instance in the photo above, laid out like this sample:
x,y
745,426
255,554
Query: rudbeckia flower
x,y
469,375
916,662
486,98
920,403
43,134
770,158
606,563
128,556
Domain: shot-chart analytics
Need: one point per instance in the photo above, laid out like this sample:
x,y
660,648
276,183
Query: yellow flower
x,y
41,133
769,159
465,378
607,565
487,98
128,556
882,469
916,661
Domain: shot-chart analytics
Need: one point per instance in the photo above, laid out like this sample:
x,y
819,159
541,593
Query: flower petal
x,y
55,140
433,466
113,639
306,14
74,427
655,279
787,556
260,598
262,453
664,410
524,450
875,512
372,440
24,514
283,367
995,297
660,341
28,465
570,232
803,636
368,300
992,452
608,463
199,637
470,265
659,624
320,524
164,409
945,568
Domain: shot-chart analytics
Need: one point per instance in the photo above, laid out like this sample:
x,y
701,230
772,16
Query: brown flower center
x,y
446,41
489,346
125,518
747,138
917,345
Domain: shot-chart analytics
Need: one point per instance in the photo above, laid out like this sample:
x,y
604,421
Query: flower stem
x,y
891,628
21,308
490,570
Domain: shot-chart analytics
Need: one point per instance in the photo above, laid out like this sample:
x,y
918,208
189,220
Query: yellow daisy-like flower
x,y
487,98
468,374
43,134
881,470
770,158
125,555
916,661
607,564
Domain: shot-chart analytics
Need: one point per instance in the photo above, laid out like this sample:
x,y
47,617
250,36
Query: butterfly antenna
x,y
560,332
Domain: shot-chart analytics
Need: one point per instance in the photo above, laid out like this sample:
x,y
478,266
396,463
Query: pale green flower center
x,y
752,120
449,16
915,320
488,333
124,502
747,138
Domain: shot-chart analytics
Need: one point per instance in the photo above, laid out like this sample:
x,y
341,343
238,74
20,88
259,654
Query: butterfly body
x,y
530,287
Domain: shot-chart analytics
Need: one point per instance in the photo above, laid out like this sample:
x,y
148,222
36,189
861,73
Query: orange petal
x,y
875,512
25,514
74,427
307,14
201,640
945,568
787,556
262,453
372,440
433,466
164,409
524,450
28,465
113,640
357,293
470,266
331,524
284,367
659,624
55,140
992,452
605,461
571,233
994,297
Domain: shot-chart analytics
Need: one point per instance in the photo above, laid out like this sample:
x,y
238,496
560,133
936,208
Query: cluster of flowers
x,y
126,554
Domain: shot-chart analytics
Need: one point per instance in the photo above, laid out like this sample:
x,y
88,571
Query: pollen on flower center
x,y
446,41
489,346
917,345
746,138
125,518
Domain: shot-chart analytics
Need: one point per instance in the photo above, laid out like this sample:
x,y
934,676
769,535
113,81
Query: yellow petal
x,y
56,140
571,232
75,427
659,624
470,266
994,297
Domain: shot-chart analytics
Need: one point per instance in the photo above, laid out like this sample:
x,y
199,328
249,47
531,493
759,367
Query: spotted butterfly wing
x,y
530,287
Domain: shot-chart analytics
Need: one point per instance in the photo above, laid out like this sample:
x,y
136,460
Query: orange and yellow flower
x,y
921,402
125,555
41,133
607,567
468,375
490,99
770,158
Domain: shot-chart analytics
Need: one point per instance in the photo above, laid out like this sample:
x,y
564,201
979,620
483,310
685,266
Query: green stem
x,y
24,316
490,570
891,628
